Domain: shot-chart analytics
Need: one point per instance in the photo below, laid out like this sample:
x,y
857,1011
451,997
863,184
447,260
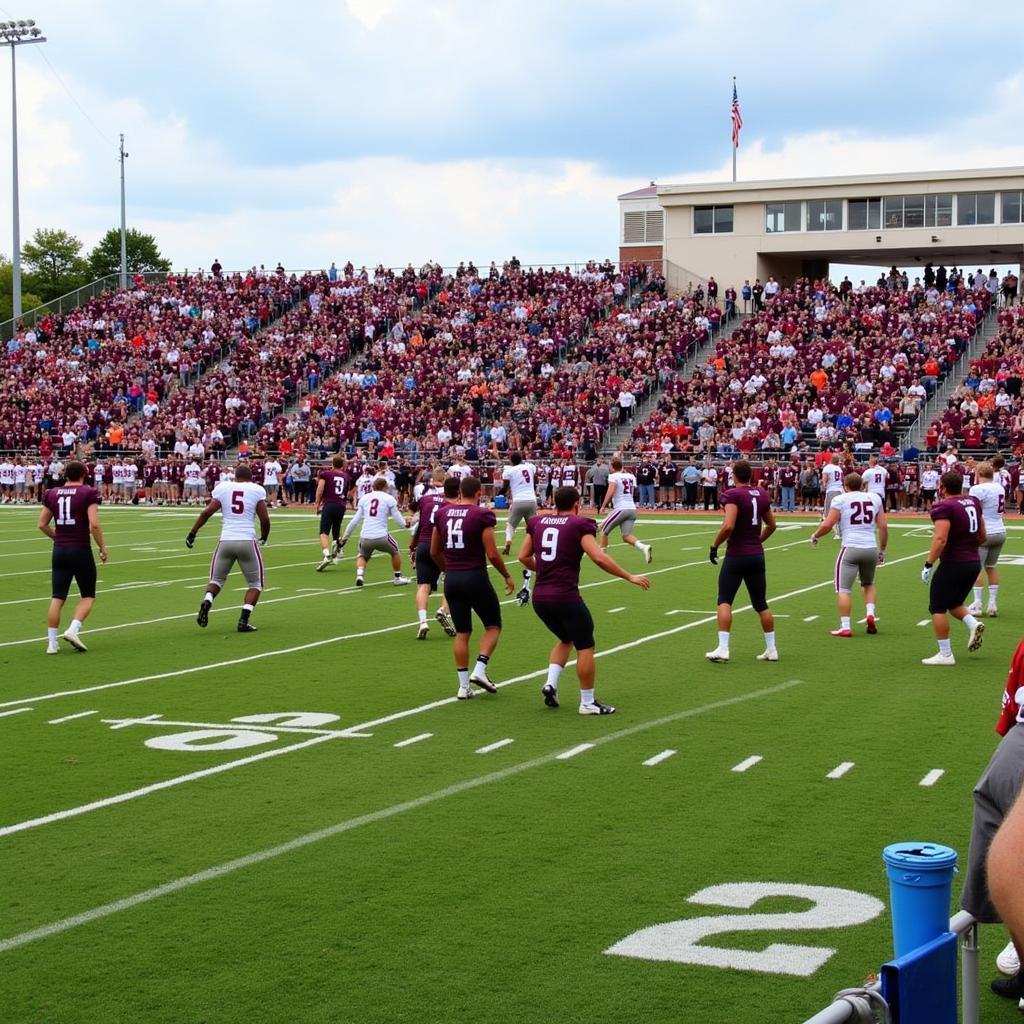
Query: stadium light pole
x,y
124,230
15,34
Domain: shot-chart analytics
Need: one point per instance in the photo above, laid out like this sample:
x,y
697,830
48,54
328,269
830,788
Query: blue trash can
x,y
920,890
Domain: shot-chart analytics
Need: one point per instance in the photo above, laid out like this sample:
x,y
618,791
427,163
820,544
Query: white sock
x,y
844,621
870,610
977,595
247,607
359,573
208,597
769,641
554,671
76,625
423,614
327,552
969,621
463,674
508,534
723,639
51,633
480,668
993,594
586,696
945,647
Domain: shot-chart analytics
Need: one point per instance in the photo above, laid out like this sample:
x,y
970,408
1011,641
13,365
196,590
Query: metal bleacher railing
x,y
867,1004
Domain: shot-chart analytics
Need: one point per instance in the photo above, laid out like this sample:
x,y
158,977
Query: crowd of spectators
x,y
98,374
819,367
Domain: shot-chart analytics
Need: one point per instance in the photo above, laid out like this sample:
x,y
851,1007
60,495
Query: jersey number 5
x,y
237,502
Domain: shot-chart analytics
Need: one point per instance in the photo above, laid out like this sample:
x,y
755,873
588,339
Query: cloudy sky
x,y
398,130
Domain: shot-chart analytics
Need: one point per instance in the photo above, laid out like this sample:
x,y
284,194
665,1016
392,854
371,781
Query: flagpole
x,y
734,135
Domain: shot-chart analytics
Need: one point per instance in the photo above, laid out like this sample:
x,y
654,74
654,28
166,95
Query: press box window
x,y
864,214
783,217
1012,208
708,220
975,208
825,215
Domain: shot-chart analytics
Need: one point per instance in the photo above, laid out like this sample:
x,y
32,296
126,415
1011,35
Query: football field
x,y
303,824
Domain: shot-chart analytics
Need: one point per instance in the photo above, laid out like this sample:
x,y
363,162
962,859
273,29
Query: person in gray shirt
x,y
597,478
691,481
302,474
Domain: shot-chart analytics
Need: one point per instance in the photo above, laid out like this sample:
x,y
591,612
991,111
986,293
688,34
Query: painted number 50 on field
x,y
681,941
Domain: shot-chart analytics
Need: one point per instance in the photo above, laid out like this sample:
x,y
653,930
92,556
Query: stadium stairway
x,y
618,436
930,411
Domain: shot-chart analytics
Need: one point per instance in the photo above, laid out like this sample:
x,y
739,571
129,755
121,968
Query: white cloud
x,y
369,13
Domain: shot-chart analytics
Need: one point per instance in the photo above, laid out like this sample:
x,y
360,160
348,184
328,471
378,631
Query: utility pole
x,y
14,34
124,230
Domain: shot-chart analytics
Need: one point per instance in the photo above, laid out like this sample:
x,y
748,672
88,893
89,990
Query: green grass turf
x,y
492,902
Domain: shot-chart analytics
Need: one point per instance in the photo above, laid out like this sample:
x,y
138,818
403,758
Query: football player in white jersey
x,y
460,468
372,515
240,503
364,483
992,496
1002,475
520,479
621,496
874,477
856,513
272,470
832,484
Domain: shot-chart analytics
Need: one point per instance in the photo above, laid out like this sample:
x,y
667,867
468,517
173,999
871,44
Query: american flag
x,y
737,117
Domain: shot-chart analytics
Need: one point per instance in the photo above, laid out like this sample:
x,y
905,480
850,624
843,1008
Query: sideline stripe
x,y
16,711
495,746
573,751
414,739
71,718
220,870
840,770
748,763
932,777
658,758
313,644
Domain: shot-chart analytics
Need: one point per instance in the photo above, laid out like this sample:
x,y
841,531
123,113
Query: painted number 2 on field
x,y
680,941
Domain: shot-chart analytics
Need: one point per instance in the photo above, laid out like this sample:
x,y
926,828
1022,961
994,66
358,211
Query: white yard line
x,y
932,777
810,618
925,622
840,770
134,794
71,718
312,645
16,711
413,739
573,751
658,758
615,611
258,857
497,745
123,723
748,763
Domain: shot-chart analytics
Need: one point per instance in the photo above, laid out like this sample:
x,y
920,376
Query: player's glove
x,y
263,542
814,541
713,555
881,558
926,572
190,539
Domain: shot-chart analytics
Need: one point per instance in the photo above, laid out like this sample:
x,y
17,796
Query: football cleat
x,y
483,682
465,693
974,609
766,655
507,549
338,549
421,633
977,637
53,648
203,618
74,640
939,659
245,627
871,627
993,612
400,581
324,562
718,654
360,581
1008,962
648,557
446,621
597,708
842,632
550,695
523,597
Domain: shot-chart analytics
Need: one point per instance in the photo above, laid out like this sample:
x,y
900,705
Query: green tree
x,y
28,300
54,259
141,250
